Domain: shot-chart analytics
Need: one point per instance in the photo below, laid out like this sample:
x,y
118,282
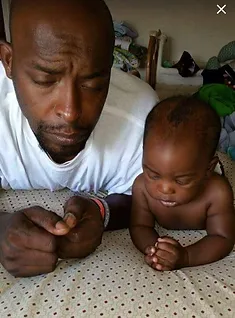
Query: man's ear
x,y
6,57
212,165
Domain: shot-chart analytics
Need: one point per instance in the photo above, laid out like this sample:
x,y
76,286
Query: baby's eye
x,y
183,181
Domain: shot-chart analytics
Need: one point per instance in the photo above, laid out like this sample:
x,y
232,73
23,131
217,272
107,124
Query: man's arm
x,y
220,226
142,222
120,210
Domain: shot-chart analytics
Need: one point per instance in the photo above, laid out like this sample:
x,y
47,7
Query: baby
x,y
179,188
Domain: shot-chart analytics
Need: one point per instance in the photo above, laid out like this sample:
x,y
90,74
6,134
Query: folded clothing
x,y
123,42
218,96
127,54
124,59
122,28
225,56
227,135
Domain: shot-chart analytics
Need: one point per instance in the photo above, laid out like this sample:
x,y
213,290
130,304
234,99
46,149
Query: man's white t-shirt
x,y
111,158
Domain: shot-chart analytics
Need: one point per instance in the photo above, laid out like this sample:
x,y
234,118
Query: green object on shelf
x,y
167,64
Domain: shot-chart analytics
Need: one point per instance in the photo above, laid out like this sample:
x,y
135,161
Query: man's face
x,y
61,81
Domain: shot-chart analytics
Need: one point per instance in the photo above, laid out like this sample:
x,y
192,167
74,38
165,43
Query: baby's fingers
x,y
151,260
168,248
166,239
165,257
150,250
162,268
162,264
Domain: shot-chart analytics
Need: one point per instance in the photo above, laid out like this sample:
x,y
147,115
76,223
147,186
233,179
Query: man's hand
x,y
83,217
166,255
28,241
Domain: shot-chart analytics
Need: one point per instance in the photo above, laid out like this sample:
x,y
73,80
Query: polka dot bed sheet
x,y
114,281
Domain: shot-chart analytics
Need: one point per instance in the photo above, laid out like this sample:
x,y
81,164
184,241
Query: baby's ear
x,y
212,165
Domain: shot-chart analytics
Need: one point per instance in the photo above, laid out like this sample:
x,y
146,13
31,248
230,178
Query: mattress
x,y
114,281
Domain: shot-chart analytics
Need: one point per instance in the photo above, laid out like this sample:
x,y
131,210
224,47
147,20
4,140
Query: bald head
x,y
61,15
180,117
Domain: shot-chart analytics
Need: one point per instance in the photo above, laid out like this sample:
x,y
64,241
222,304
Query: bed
x,y
167,81
114,281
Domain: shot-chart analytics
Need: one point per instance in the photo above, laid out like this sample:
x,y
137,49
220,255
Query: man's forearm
x,y
120,209
210,248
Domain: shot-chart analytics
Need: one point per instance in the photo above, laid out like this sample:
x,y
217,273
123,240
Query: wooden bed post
x,y
152,56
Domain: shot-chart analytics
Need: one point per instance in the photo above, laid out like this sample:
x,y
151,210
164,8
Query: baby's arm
x,y
142,222
220,226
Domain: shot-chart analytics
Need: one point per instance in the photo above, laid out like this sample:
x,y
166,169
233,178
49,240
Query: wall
x,y
190,25
6,10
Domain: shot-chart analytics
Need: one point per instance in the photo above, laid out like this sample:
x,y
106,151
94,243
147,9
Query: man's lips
x,y
68,139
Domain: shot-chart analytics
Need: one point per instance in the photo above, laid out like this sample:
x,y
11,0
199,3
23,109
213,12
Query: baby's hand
x,y
166,255
150,255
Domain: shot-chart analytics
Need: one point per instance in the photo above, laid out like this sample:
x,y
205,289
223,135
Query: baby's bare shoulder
x,y
139,190
139,182
138,185
218,189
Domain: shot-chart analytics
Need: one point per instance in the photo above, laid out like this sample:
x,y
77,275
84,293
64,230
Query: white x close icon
x,y
221,9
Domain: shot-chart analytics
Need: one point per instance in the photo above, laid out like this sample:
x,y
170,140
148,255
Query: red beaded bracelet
x,y
100,205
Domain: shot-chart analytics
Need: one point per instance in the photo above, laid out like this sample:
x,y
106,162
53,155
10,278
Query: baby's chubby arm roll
x,y
220,227
142,222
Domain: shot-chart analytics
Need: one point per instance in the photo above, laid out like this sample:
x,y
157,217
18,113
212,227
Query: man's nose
x,y
68,106
166,188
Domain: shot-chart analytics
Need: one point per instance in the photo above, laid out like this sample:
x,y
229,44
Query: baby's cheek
x,y
185,195
152,190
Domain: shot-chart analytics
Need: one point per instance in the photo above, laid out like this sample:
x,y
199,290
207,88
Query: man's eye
x,y
154,176
93,88
44,83
95,85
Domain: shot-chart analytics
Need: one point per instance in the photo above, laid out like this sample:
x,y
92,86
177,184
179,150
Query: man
x,y
53,135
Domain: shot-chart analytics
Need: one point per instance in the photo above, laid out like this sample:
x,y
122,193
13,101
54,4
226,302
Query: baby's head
x,y
180,141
